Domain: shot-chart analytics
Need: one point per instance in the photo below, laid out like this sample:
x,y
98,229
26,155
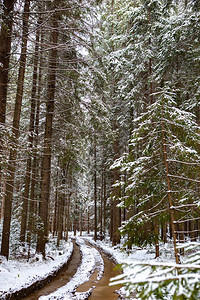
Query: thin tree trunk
x,y
64,215
111,222
116,212
104,202
95,190
33,201
75,219
33,207
59,217
81,222
13,151
68,214
101,207
5,48
3,199
55,221
88,221
46,161
150,65
156,231
171,207
30,141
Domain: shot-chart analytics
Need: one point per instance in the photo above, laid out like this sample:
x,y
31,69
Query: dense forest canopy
x,y
99,117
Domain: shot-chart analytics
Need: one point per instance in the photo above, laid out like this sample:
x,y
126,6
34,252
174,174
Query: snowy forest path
x,y
62,278
97,287
102,289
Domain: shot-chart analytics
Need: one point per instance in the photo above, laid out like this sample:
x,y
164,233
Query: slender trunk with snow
x,y
30,141
13,151
95,190
46,161
171,206
33,205
5,48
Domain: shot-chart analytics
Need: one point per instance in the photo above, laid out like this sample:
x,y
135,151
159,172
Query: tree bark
x,y
68,214
95,190
101,207
116,211
5,48
13,152
30,141
46,161
171,207
104,202
33,207
156,232
59,217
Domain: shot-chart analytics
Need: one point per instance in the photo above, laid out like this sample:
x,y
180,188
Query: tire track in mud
x,y
102,290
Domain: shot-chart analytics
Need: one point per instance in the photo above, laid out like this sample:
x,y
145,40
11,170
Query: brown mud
x,y
61,279
102,289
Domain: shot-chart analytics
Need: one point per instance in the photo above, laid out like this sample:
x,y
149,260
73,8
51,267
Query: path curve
x,y
97,286
102,290
61,278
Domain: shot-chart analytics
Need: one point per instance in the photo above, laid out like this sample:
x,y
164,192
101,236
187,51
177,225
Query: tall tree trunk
x,y
156,232
171,207
30,140
5,48
104,202
68,203
150,64
55,219
68,214
60,217
101,207
81,222
116,211
13,151
46,161
95,189
35,174
75,218
88,221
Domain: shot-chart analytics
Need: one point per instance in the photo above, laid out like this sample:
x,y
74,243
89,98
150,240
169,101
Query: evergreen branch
x,y
183,178
183,162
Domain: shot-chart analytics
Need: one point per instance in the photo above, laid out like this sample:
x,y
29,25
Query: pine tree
x,y
169,154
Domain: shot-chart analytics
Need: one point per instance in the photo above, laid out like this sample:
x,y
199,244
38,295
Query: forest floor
x,y
19,274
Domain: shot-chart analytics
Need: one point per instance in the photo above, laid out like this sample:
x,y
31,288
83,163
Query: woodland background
x,y
99,116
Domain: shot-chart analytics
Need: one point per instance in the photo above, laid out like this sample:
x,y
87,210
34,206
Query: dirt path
x,y
61,279
102,290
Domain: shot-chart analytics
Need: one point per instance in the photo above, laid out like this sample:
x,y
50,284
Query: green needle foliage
x,y
163,128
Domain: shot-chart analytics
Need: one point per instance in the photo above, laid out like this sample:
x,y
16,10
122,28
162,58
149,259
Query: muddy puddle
x,y
102,290
61,279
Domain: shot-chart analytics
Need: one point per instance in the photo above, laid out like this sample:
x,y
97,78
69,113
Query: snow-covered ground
x,y
91,259
15,275
136,255
18,274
